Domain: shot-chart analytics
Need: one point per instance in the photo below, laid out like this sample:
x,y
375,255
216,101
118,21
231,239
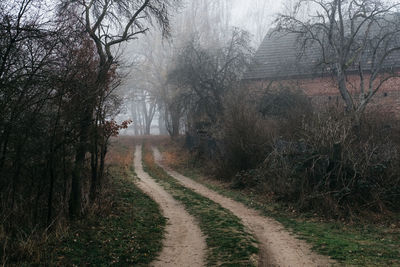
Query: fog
x,y
211,22
305,119
257,16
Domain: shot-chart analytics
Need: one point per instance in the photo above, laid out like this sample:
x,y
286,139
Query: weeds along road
x,y
184,244
277,246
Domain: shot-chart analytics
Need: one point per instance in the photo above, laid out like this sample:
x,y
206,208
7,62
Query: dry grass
x,y
175,157
121,152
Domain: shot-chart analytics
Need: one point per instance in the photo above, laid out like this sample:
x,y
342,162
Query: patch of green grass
x,y
130,234
228,242
349,244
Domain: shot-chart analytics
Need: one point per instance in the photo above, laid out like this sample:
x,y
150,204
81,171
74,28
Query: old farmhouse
x,y
282,59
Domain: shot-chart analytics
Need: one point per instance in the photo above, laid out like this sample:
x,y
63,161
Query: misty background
x,y
150,56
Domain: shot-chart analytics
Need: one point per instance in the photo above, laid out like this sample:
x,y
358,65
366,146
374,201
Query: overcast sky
x,y
253,14
242,8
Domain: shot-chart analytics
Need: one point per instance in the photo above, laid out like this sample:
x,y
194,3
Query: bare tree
x,y
148,78
210,22
47,67
108,23
176,99
352,37
143,108
135,115
208,73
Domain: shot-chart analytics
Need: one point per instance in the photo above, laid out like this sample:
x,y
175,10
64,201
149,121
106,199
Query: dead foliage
x,y
334,166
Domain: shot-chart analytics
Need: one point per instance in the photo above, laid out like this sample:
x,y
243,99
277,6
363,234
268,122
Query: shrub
x,y
326,161
335,168
249,125
286,106
243,135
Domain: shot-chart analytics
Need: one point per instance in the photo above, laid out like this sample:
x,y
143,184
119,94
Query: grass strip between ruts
x,y
228,242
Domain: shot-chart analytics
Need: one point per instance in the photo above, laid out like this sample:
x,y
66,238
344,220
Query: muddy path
x,y
277,246
184,243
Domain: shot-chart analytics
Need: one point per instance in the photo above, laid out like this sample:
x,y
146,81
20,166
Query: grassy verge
x,y
124,228
229,244
129,234
358,244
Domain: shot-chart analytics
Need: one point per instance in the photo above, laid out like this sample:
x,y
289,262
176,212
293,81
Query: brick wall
x,y
323,92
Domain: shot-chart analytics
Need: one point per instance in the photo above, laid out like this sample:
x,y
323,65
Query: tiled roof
x,y
280,56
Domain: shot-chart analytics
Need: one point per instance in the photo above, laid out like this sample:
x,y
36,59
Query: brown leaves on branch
x,y
112,128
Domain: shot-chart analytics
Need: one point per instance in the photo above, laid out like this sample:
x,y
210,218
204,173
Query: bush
x,y
326,161
244,135
249,125
336,168
287,107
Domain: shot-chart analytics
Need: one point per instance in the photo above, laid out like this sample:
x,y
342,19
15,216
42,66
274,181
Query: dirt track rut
x,y
184,244
277,246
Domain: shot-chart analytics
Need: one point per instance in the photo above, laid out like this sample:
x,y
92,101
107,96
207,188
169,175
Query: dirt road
x,y
184,244
277,246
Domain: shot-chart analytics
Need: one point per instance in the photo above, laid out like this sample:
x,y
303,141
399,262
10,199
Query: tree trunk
x,y
175,126
148,127
341,77
103,153
135,120
75,205
76,190
94,166
51,193
161,125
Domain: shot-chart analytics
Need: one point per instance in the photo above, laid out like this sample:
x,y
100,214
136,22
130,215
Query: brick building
x,y
280,61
